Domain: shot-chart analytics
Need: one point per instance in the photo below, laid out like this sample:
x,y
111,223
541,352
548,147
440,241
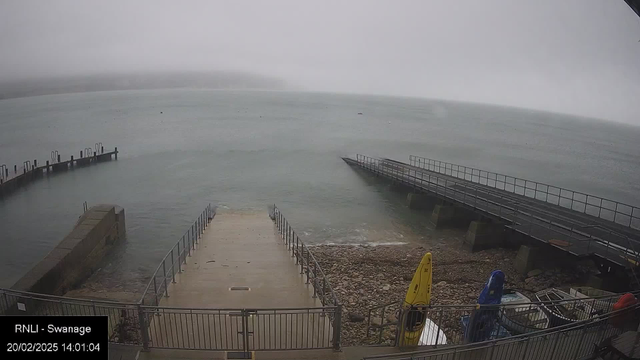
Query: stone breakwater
x,y
367,276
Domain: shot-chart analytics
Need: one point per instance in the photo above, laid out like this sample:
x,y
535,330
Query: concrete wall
x,y
76,257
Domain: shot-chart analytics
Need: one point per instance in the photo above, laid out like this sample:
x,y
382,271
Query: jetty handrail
x,y
540,344
472,197
172,262
306,260
556,195
580,234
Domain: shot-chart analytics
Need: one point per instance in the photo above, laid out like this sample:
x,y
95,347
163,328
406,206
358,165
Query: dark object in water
x,y
359,113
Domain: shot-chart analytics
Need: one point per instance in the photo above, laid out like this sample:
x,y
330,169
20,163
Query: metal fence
x,y
124,318
615,211
171,264
310,268
568,342
521,217
305,259
198,329
242,329
458,324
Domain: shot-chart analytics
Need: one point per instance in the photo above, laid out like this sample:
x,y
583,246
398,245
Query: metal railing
x,y
610,210
171,264
305,259
242,329
309,266
124,318
191,328
568,342
453,321
520,216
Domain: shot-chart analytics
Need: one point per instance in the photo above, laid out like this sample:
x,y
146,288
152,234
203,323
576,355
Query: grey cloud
x,y
573,56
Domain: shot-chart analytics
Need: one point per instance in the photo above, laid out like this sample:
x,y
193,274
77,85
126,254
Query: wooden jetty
x,y
18,176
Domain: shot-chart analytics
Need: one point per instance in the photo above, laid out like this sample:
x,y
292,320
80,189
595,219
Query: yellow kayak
x,y
416,302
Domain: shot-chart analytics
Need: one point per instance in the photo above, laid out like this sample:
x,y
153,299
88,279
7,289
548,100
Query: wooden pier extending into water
x,y
12,178
581,224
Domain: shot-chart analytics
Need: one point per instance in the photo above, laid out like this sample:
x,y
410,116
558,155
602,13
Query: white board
x,y
429,334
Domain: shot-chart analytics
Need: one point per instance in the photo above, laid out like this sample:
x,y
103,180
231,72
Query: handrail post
x,y
308,266
179,259
173,268
337,324
315,276
324,289
164,278
143,328
188,244
155,288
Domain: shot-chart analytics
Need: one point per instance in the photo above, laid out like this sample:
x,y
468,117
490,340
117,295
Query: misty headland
x,y
140,81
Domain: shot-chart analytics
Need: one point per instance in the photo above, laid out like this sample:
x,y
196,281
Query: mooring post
x,y
15,169
101,149
116,151
58,157
35,163
80,154
71,160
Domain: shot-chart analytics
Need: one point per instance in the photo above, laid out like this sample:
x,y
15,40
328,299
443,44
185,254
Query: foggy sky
x,y
573,56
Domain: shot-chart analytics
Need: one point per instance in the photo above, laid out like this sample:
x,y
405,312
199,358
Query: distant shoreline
x,y
121,82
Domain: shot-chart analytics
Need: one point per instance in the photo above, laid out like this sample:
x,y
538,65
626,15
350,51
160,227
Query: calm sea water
x,y
244,150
